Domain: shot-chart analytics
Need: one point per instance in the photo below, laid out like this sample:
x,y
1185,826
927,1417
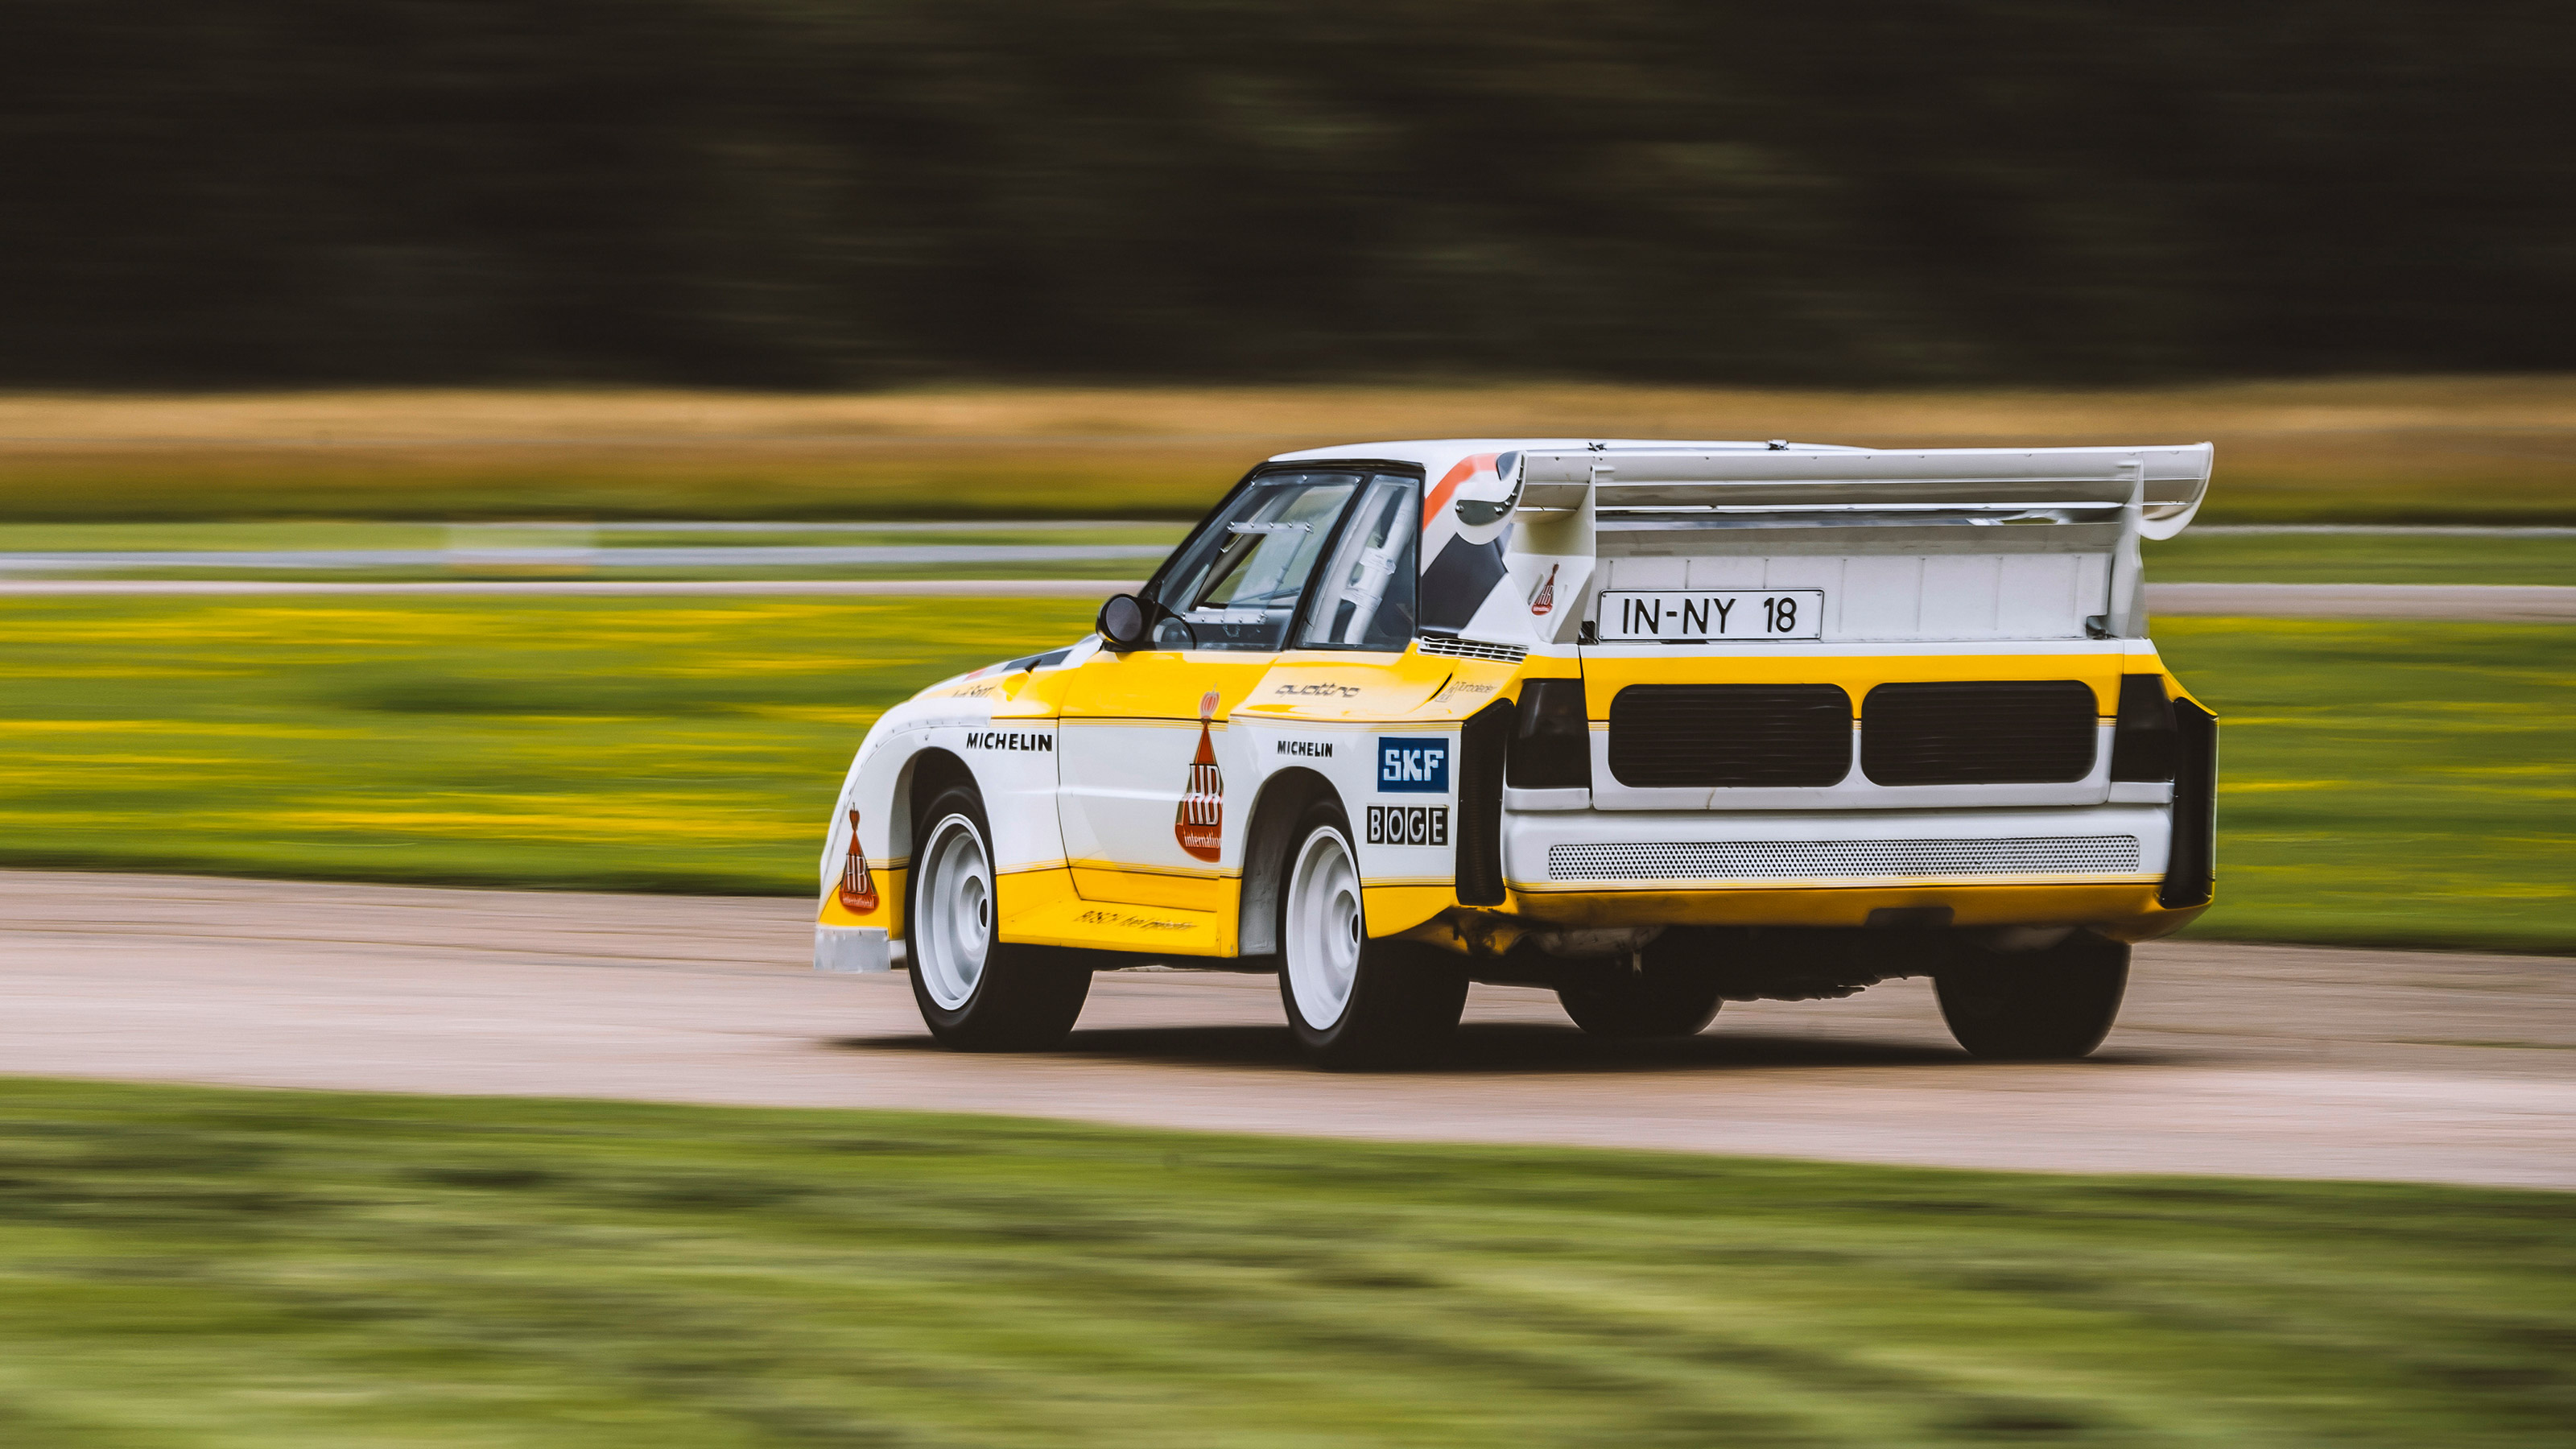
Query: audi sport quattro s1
x,y
1656,725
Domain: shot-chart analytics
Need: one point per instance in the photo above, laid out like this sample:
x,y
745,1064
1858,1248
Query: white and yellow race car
x,y
1653,724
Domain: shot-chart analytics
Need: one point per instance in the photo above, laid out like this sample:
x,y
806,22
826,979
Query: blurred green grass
x,y
187,1267
2404,784
2387,783
619,744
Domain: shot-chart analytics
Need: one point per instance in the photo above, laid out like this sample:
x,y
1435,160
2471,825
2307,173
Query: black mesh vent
x,y
1703,735
1480,804
1978,734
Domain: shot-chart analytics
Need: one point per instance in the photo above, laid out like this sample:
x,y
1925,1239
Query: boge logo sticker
x,y
1408,825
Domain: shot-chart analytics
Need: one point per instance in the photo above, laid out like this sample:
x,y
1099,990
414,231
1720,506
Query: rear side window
x,y
1364,598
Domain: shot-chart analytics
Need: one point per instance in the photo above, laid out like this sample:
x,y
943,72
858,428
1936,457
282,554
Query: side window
x,y
1364,598
1236,585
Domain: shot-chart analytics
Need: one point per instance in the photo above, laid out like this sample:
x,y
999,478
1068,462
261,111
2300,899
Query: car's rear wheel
x,y
1353,1001
977,992
1662,991
2032,1006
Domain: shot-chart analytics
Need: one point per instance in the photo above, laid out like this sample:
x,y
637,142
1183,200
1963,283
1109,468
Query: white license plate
x,y
1679,616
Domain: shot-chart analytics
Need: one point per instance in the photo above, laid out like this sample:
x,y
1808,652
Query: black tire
x,y
1354,1002
1664,991
976,993
2033,1006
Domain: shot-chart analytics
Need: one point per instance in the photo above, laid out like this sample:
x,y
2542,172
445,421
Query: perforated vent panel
x,y
1832,859
1468,649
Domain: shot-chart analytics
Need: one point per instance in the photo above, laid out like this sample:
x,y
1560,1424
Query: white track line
x,y
2504,603
897,588
2510,603
702,557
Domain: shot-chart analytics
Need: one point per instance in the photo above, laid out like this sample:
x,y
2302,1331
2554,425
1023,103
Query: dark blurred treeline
x,y
849,192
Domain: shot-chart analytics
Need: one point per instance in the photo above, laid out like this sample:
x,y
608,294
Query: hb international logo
x,y
1199,821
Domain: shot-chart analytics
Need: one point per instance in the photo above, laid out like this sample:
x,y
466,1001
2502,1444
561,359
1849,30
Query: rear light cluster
x,y
2145,742
1551,737
1731,736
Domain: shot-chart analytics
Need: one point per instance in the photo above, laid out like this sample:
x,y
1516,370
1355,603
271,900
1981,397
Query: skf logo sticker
x,y
1199,823
858,888
1412,767
1408,825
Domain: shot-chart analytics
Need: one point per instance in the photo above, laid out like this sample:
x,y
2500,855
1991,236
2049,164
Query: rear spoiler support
x,y
1566,498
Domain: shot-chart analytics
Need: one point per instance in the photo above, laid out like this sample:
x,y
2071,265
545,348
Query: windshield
x,y
1237,583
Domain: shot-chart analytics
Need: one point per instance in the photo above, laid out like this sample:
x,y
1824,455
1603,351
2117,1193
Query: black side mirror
x,y
1124,622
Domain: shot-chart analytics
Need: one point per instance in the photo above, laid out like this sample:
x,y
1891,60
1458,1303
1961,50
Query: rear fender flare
x,y
1276,810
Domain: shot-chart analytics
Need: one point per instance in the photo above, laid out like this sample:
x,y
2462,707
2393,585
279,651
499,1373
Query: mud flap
x,y
852,949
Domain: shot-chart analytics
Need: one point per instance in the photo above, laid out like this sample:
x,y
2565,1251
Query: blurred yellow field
x,y
2389,783
626,744
2420,450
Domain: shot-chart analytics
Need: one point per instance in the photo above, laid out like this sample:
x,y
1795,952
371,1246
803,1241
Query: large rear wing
x,y
2164,484
1923,543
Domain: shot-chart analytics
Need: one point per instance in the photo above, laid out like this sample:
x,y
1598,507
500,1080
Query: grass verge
x,y
2388,783
193,1267
2401,784
2462,449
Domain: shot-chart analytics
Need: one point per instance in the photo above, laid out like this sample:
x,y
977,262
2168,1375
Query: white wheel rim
x,y
1324,927
952,931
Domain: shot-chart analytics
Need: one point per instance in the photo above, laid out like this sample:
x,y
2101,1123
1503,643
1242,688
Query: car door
x,y
1151,792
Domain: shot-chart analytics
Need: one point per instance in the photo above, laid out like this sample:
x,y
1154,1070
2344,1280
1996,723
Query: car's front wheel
x,y
2032,1006
977,992
1353,1001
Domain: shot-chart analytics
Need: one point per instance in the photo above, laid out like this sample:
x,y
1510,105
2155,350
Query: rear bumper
x,y
2090,865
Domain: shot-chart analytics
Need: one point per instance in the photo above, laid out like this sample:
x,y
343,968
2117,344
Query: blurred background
x,y
458,293
804,194
506,443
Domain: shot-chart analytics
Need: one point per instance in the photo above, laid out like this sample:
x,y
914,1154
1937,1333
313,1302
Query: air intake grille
x,y
1708,735
2042,732
1468,649
1837,859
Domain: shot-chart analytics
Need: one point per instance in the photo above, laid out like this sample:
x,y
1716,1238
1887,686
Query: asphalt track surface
x,y
2230,1059
2508,603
